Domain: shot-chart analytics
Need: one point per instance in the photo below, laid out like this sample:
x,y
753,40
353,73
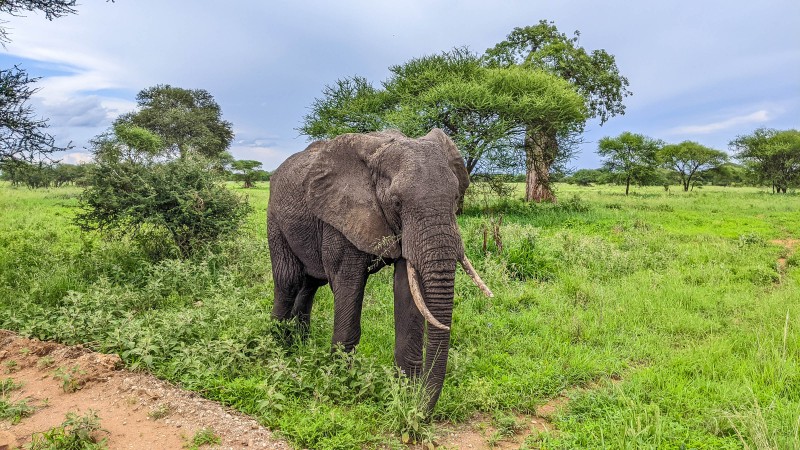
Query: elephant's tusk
x,y
475,277
413,284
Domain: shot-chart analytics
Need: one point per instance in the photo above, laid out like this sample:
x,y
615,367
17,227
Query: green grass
x,y
662,315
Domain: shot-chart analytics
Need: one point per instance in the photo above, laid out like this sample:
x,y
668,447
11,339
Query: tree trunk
x,y
540,151
627,185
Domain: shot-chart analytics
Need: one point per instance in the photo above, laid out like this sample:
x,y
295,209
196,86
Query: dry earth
x,y
125,401
790,245
128,402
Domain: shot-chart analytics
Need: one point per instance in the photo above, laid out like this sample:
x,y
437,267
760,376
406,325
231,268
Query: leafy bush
x,y
180,202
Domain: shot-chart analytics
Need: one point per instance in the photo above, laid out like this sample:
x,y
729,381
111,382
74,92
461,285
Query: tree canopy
x,y
186,120
246,170
689,159
485,110
630,157
595,74
773,156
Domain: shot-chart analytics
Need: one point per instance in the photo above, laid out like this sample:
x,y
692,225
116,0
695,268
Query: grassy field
x,y
667,319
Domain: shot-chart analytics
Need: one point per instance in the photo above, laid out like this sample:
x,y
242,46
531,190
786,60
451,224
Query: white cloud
x,y
760,116
76,158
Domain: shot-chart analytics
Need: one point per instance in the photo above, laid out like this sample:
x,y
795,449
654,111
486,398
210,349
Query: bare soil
x,y
136,410
790,245
480,433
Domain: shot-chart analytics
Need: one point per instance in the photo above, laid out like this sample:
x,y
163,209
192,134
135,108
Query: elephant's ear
x,y
453,156
340,191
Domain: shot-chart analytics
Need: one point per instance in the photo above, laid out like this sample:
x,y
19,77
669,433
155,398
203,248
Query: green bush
x,y
179,203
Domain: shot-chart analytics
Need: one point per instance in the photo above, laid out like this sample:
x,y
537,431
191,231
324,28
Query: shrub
x,y
180,202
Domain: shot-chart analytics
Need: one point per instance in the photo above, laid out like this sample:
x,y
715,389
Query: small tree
x,y
630,157
246,170
689,159
134,191
773,156
186,120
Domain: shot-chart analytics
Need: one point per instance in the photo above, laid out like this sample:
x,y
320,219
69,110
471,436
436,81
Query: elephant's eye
x,y
395,201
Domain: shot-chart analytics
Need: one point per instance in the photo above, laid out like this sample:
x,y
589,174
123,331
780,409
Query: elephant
x,y
344,208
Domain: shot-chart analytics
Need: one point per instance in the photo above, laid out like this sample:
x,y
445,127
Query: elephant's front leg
x,y
348,297
346,268
409,325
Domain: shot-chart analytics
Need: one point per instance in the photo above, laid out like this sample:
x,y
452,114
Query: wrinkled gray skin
x,y
341,205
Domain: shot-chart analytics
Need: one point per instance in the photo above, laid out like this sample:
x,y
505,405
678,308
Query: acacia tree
x,y
594,75
484,110
22,133
689,159
771,155
630,157
246,171
350,105
187,120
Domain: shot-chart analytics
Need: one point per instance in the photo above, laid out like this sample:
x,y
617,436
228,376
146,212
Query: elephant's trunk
x,y
433,250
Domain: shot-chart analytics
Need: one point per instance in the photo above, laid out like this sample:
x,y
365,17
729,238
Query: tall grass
x,y
664,318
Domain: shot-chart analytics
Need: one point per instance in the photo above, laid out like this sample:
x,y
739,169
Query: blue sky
x,y
699,70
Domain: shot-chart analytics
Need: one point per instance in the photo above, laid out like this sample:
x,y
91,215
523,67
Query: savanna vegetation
x,y
668,320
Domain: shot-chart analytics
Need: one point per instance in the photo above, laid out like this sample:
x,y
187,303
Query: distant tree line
x,y
43,174
767,157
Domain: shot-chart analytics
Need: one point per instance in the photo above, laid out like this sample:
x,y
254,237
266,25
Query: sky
x,y
700,70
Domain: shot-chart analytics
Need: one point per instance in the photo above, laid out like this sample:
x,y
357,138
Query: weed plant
x,y
10,409
204,437
662,316
77,432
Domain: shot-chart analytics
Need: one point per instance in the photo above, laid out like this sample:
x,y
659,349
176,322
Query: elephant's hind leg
x,y
287,273
304,301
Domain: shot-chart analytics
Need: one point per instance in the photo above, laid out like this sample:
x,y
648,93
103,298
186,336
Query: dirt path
x,y
137,411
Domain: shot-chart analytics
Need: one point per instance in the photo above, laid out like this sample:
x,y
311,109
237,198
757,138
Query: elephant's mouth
x,y
419,301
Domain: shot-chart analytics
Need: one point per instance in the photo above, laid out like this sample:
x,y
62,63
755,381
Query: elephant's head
x,y
396,197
